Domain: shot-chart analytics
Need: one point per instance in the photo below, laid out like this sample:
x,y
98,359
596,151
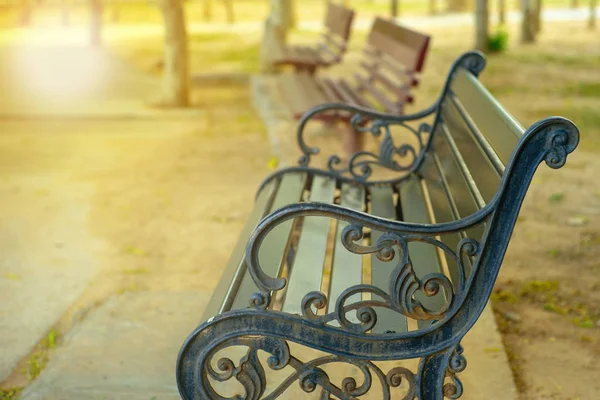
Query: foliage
x,y
498,41
10,394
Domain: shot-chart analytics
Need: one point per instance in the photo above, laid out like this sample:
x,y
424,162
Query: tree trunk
x,y
574,3
25,13
432,7
229,11
592,17
394,8
482,29
96,9
527,25
176,72
277,26
537,16
207,10
458,5
64,12
502,12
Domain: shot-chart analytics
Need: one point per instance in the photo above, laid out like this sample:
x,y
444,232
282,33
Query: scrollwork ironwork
x,y
252,375
456,364
404,283
360,167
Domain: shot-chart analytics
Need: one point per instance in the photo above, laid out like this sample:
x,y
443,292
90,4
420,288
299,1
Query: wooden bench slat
x,y
423,256
369,87
233,273
459,189
441,209
382,205
492,120
307,270
274,246
301,92
480,167
350,95
338,20
346,270
406,46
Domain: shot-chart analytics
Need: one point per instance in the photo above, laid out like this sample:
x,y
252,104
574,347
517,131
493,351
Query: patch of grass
x,y
584,321
566,60
504,296
583,89
10,393
39,357
134,271
556,198
555,309
539,287
553,252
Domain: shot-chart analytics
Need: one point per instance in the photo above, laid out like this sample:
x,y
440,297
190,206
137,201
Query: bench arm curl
x,y
404,157
403,281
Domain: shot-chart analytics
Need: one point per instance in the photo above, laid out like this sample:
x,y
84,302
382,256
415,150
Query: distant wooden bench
x,y
391,256
393,58
329,51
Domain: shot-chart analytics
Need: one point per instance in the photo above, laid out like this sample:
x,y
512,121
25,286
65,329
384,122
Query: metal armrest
x,y
402,157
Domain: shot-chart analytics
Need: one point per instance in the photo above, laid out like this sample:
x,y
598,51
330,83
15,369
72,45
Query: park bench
x,y
329,51
393,58
391,256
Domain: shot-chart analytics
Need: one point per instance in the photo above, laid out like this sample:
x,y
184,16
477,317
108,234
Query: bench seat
x,y
389,255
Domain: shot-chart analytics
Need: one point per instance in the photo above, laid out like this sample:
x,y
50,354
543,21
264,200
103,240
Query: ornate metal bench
x,y
369,268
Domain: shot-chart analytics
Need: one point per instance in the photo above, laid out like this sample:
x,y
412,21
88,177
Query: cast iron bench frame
x,y
355,341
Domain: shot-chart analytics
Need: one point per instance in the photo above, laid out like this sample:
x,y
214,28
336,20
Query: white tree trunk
x,y
482,29
176,73
96,11
592,17
527,24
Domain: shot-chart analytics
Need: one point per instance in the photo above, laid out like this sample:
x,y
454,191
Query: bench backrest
x,y
338,23
394,56
472,142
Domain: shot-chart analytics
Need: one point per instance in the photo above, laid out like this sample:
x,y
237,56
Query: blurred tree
x,y
277,25
229,11
207,10
25,12
176,73
501,12
574,3
96,10
394,8
432,7
64,12
458,5
482,29
537,16
527,23
592,17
